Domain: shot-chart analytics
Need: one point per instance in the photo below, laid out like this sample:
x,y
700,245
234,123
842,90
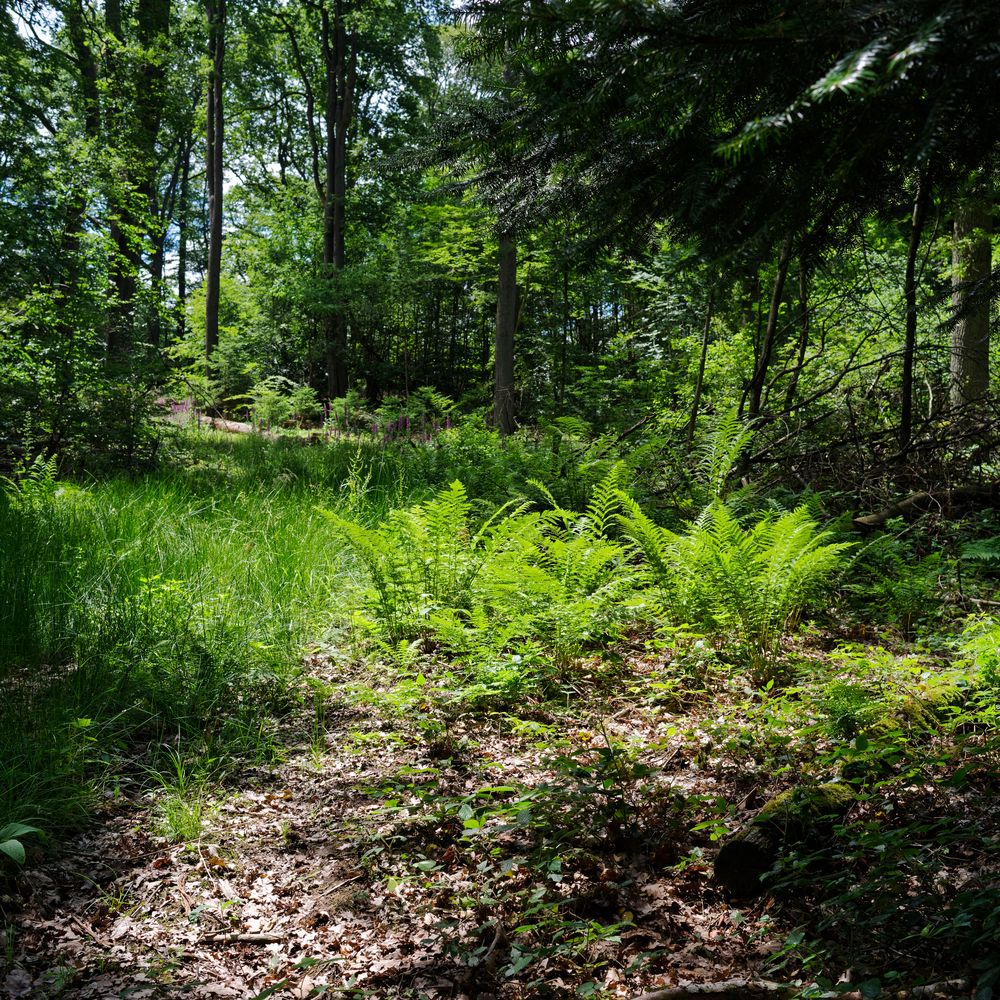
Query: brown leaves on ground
x,y
419,849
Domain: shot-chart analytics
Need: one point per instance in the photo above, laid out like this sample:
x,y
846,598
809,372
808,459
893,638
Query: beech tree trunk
x,y
341,62
215,122
120,218
133,110
503,395
970,337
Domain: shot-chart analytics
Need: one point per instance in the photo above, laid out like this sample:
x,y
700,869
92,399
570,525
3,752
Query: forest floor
x,y
407,844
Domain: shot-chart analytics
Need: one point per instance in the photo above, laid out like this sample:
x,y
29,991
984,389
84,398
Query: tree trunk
x,y
340,60
970,337
910,294
133,110
700,379
153,26
213,166
182,242
564,345
503,396
120,220
801,814
800,358
759,379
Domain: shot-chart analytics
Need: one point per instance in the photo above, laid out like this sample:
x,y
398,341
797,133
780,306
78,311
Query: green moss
x,y
807,804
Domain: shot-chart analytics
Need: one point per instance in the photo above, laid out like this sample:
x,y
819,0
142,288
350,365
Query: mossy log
x,y
923,707
932,699
797,814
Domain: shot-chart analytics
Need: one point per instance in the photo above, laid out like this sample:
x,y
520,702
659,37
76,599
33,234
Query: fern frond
x,y
658,545
985,551
556,514
720,450
605,501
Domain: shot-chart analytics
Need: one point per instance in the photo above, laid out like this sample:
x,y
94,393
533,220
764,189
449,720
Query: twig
x,y
919,503
222,937
726,988
102,856
340,885
81,926
489,960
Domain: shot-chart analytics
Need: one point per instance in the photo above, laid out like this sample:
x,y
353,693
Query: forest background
x,y
535,335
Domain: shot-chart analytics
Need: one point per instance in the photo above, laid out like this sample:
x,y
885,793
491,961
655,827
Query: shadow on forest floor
x,y
412,849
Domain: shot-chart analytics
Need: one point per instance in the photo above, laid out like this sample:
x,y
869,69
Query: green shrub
x,y
894,583
980,645
552,576
754,582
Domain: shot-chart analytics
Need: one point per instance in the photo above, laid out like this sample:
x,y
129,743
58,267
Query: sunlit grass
x,y
137,612
144,612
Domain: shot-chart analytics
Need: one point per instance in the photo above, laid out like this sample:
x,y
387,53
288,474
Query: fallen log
x,y
798,814
729,989
920,503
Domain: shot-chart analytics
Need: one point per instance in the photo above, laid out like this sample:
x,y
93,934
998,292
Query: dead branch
x,y
924,501
724,990
727,989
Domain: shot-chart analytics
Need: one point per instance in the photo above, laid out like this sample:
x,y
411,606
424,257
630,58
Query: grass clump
x,y
139,610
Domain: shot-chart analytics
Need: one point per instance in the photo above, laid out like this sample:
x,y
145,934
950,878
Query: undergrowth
x,y
145,612
161,620
142,614
570,581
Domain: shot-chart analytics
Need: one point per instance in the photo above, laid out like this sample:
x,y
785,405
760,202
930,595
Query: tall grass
x,y
172,608
167,613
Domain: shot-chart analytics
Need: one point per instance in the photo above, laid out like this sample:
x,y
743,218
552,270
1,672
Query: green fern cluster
x,y
717,455
754,582
568,581
552,575
34,486
576,577
425,558
980,646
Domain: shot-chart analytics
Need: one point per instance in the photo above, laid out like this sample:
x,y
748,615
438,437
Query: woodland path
x,y
338,869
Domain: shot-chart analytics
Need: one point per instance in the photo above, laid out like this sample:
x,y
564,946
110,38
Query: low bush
x,y
753,582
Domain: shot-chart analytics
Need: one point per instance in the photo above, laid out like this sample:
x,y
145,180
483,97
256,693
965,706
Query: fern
x,y
983,551
605,501
763,578
720,450
35,484
792,560
570,579
656,543
722,577
426,557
